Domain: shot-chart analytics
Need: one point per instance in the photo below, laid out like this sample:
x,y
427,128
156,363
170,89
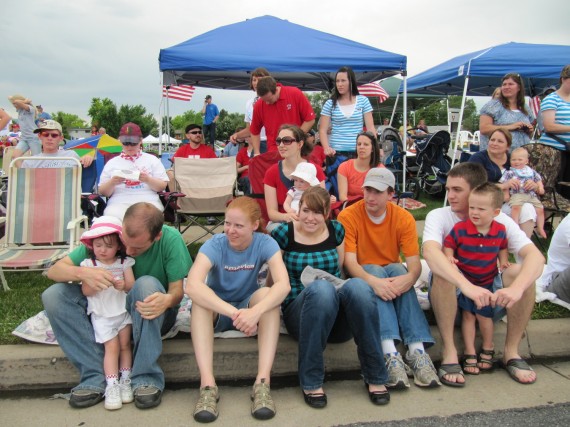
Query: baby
x,y
474,246
304,176
520,178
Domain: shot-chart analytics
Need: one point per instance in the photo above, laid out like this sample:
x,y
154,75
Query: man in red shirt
x,y
278,105
194,149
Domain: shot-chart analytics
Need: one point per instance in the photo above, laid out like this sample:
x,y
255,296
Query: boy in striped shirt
x,y
474,246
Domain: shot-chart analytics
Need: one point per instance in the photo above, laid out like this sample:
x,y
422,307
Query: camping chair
x,y
257,168
208,185
43,217
547,162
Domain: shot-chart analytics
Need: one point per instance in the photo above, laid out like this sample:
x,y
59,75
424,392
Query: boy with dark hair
x,y
473,246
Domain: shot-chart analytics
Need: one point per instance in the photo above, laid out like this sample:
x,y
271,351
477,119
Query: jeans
x,y
320,314
66,308
401,317
210,134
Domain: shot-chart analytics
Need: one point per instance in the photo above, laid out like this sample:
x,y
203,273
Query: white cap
x,y
380,179
307,172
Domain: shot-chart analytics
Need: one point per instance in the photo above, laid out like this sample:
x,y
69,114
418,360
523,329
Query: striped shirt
x,y
344,129
297,256
561,116
477,253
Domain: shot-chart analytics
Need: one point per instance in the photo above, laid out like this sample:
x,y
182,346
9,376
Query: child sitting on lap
x,y
518,193
109,316
304,176
474,246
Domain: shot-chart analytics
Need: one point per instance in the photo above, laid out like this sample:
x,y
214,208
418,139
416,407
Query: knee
x,y
358,289
323,292
375,270
258,296
54,296
143,287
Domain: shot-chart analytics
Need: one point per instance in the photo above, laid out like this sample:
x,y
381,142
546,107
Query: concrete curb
x,y
35,366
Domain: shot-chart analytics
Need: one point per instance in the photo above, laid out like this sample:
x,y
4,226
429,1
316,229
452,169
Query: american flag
x,y
182,92
374,89
535,105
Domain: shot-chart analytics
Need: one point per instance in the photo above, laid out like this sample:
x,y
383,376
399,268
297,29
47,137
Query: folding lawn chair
x,y
208,185
257,168
43,217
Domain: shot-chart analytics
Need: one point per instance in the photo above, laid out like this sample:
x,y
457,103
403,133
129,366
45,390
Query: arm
x,y
244,133
287,204
204,107
86,160
157,303
273,206
246,320
200,292
241,168
504,259
449,252
108,188
95,278
324,136
369,123
342,187
380,286
550,125
4,118
155,184
255,141
487,127
306,126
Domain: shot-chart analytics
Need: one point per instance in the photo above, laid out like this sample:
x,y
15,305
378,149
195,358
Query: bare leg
x,y
202,328
267,338
527,227
518,317
111,360
444,303
487,330
516,213
125,352
540,222
468,332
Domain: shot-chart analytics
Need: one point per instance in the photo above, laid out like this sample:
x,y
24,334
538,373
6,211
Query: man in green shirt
x,y
162,262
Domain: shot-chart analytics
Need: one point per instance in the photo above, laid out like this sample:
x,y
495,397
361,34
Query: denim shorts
x,y
225,323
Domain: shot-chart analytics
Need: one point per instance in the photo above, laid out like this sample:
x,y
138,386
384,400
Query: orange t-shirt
x,y
354,178
379,244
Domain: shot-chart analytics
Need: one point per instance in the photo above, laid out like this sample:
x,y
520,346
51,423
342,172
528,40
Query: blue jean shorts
x,y
225,323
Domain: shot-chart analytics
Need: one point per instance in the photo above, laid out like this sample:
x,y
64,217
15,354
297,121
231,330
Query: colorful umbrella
x,y
102,144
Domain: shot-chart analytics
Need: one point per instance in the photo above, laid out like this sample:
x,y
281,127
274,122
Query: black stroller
x,y
433,164
394,154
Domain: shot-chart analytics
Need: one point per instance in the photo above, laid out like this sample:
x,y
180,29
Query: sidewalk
x,y
35,366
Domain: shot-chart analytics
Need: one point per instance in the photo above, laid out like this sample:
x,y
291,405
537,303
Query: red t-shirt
x,y
292,107
273,179
243,159
318,155
202,152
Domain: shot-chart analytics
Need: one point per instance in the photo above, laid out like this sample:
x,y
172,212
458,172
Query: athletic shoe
x,y
113,397
147,397
262,405
425,374
126,391
84,398
206,409
397,377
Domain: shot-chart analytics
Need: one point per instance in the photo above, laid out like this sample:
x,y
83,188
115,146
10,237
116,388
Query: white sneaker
x,y
113,397
126,391
310,274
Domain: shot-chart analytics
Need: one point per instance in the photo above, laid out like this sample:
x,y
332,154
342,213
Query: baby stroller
x,y
433,164
394,154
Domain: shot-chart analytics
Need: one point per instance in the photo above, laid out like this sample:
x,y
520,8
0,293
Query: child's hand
x,y
505,266
333,198
119,284
452,260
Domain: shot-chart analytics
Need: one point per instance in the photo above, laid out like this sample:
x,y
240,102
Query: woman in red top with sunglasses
x,y
293,150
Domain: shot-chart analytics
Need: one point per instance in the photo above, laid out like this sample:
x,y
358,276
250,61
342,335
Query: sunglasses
x,y
286,140
50,134
129,144
195,132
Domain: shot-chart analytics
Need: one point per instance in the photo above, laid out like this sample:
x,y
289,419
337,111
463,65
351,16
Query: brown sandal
x,y
486,364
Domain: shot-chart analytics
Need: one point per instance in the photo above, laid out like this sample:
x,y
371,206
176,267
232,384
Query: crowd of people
x,y
329,280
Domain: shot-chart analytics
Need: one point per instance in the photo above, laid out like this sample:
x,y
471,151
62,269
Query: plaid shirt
x,y
297,256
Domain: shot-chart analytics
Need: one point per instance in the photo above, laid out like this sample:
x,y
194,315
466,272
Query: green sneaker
x,y
262,405
206,409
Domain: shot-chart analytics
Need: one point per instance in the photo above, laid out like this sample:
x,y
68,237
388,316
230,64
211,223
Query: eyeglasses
x,y
195,132
287,140
129,144
50,134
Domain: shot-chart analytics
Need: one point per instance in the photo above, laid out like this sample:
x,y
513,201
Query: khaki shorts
x,y
520,199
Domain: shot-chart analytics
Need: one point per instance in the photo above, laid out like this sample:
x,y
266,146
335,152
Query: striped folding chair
x,y
43,217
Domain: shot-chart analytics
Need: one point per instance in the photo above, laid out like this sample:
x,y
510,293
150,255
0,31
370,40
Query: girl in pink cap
x,y
109,316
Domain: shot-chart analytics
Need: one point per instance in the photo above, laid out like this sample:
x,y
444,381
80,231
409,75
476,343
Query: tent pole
x,y
458,128
394,109
404,142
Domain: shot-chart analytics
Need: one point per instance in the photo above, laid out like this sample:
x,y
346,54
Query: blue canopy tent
x,y
479,73
295,55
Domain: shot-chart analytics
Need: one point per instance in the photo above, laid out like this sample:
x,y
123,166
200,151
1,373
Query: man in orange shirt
x,y
377,231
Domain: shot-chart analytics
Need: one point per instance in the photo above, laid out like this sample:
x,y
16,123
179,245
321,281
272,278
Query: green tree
x,y
68,121
180,122
137,114
104,112
227,124
317,100
435,114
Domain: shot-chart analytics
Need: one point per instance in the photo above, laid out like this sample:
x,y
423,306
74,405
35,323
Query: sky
x,y
63,53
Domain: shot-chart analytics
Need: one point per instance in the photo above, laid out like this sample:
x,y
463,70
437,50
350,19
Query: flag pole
x,y
167,116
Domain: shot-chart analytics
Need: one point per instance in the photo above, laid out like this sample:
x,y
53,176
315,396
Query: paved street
x,y
348,404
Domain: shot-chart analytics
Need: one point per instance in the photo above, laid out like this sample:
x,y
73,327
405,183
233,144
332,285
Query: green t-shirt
x,y
167,259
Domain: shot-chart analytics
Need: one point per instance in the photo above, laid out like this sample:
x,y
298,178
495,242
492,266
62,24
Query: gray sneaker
x,y
422,367
310,274
206,409
262,405
397,377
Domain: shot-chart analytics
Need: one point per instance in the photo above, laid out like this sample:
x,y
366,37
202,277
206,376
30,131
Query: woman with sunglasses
x,y
277,181
351,174
345,113
507,112
133,176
